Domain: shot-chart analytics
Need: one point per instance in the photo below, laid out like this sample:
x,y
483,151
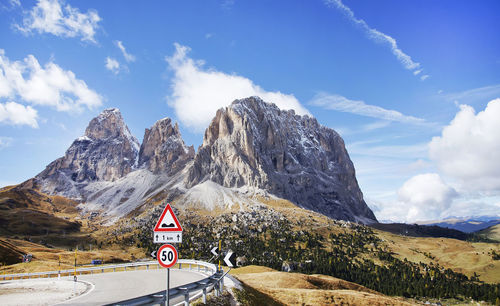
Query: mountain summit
x,y
106,152
251,149
254,143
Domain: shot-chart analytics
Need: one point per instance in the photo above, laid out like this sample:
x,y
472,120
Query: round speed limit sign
x,y
167,255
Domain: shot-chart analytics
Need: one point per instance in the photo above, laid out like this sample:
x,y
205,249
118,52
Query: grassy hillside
x,y
492,232
276,234
300,289
29,212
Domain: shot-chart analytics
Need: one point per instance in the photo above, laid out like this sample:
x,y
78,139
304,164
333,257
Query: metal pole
x,y
167,299
220,252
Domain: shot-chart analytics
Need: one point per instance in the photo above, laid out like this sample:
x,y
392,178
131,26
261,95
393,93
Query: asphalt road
x,y
118,286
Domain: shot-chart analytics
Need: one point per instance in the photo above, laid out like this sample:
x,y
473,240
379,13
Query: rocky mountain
x,y
163,150
106,152
254,143
249,146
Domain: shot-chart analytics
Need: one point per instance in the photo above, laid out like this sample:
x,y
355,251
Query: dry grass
x,y
492,232
47,259
301,289
460,256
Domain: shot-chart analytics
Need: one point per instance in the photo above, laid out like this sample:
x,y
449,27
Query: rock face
x,y
250,144
163,150
254,143
106,152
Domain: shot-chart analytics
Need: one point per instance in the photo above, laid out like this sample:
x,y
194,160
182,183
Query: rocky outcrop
x,y
106,152
163,150
254,143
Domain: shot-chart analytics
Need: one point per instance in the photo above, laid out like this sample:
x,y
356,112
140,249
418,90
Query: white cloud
x,y
112,65
343,104
378,36
422,197
54,17
424,77
197,92
49,85
209,35
128,57
468,148
17,114
5,141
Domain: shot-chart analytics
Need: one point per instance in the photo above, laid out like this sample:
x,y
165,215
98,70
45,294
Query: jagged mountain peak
x,y
163,149
106,152
109,124
254,143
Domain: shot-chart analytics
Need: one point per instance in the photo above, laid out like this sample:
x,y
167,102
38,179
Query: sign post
x,y
167,257
167,230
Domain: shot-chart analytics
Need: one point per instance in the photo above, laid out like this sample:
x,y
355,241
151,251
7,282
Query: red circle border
x,y
159,252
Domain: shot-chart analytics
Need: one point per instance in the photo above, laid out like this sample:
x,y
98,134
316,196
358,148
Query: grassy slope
x,y
460,256
492,232
29,212
301,289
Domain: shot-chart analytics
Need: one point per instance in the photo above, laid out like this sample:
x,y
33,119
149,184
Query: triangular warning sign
x,y
168,221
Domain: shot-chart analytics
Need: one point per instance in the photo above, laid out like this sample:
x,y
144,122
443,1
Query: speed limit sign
x,y
167,255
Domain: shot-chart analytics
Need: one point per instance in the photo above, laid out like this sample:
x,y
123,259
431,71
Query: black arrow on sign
x,y
230,259
153,254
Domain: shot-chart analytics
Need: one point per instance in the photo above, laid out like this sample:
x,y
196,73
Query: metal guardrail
x,y
214,281
79,271
203,286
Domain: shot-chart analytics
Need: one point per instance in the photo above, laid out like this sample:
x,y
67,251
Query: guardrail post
x,y
180,266
147,267
125,268
186,298
114,269
189,266
204,295
102,270
221,285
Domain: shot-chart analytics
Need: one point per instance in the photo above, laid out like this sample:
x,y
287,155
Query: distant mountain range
x,y
251,150
465,225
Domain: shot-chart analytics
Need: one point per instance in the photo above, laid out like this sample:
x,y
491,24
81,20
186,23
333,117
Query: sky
x,y
413,87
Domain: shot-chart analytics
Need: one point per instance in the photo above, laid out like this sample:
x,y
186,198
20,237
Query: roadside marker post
x,y
219,251
167,229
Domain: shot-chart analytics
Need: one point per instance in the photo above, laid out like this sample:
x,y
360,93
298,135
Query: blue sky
x,y
410,85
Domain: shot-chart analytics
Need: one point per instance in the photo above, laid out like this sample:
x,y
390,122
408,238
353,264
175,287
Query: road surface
x,y
118,286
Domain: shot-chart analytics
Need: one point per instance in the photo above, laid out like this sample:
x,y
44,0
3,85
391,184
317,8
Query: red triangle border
x,y
174,229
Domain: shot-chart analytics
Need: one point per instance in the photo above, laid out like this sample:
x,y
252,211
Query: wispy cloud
x,y
10,5
112,65
378,36
5,142
416,151
54,17
343,104
473,95
128,57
